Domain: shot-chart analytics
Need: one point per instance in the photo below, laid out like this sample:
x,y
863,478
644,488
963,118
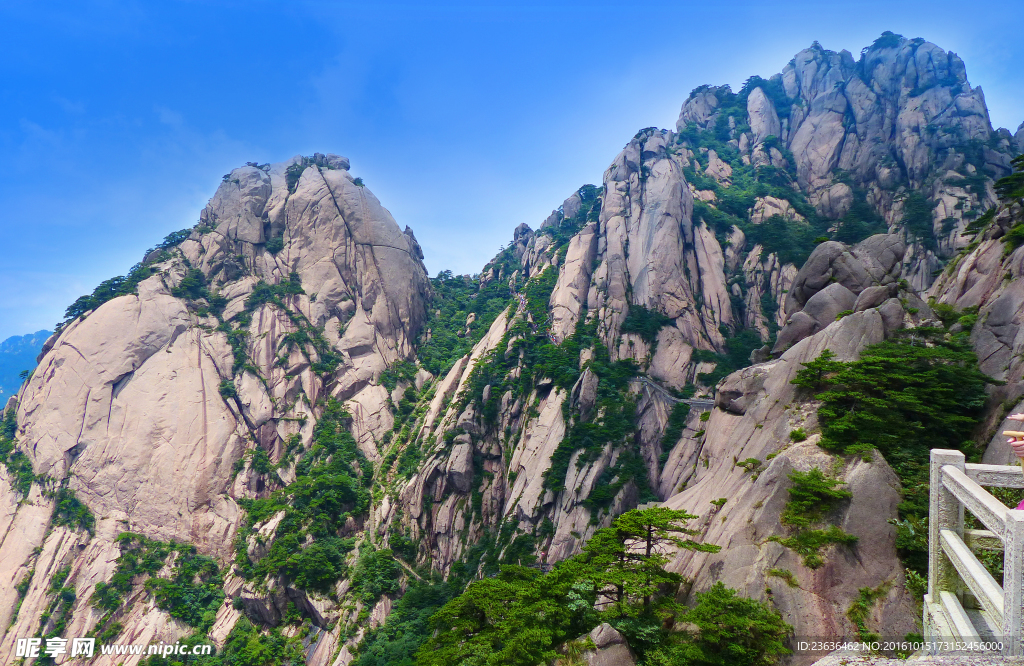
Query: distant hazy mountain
x,y
17,354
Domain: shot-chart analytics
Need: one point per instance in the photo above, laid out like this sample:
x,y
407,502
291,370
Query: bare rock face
x,y
764,120
765,207
874,261
989,279
699,109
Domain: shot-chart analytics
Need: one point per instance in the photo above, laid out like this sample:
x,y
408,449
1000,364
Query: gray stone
x,y
764,121
871,297
460,467
892,314
799,326
826,305
605,634
740,389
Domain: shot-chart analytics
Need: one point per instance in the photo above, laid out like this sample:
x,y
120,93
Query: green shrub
x,y
811,496
375,574
786,575
673,430
797,435
454,299
192,594
275,244
644,323
70,511
729,630
917,219
107,290
809,543
398,372
192,286
19,467
860,610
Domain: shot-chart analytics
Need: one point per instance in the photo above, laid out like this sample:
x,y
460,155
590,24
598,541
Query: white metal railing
x,y
964,602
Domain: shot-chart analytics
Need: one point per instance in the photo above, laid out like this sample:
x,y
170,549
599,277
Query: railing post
x,y
944,513
1013,582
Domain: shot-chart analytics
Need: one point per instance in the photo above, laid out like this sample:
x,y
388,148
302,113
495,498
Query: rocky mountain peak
x,y
281,397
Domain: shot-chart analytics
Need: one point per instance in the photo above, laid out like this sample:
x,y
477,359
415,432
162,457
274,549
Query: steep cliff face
x,y
146,406
284,389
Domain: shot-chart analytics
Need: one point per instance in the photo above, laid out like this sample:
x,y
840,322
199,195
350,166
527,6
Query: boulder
x,y
874,261
765,207
799,326
460,467
826,305
610,648
741,388
718,169
871,297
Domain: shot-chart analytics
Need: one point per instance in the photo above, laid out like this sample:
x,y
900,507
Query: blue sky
x,y
117,119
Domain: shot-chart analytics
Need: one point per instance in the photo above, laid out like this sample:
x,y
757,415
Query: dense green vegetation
x,y
673,430
729,630
1011,189
455,298
246,645
58,609
903,397
375,574
521,616
69,511
917,219
192,594
407,627
332,483
644,322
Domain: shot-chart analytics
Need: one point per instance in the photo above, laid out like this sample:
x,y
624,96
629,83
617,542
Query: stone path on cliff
x,y
699,403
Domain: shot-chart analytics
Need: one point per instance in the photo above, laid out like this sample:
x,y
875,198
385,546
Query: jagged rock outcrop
x,y
902,118
629,307
128,404
832,281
